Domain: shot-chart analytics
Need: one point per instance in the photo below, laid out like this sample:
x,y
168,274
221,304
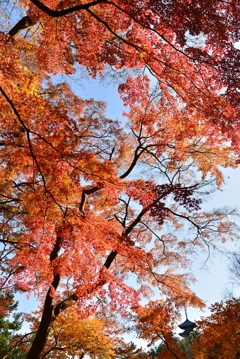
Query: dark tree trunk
x,y
43,330
22,24
48,312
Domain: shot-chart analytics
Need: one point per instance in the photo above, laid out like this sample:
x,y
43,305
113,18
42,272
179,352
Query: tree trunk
x,y
48,312
43,330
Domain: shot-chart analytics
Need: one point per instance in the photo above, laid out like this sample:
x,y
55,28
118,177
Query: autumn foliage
x,y
70,336
219,333
88,202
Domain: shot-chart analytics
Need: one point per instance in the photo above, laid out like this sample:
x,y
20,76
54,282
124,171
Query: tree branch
x,y
28,132
59,13
85,193
48,310
22,24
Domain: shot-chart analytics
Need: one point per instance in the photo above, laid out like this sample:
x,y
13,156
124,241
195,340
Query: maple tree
x,y
70,336
152,34
84,200
219,333
157,322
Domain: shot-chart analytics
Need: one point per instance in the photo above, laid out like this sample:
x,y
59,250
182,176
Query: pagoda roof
x,y
187,324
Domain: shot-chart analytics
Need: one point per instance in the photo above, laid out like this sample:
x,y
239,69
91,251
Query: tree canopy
x,y
220,333
88,202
